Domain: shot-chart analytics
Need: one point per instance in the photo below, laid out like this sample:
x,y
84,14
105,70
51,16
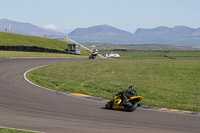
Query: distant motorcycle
x,y
94,54
116,103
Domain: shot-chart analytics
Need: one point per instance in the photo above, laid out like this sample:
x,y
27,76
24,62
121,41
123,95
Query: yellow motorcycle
x,y
117,104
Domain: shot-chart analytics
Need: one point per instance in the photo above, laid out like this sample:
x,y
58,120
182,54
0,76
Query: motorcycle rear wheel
x,y
131,108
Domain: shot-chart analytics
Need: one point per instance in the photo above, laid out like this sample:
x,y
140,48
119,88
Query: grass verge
x,y
7,130
163,83
9,54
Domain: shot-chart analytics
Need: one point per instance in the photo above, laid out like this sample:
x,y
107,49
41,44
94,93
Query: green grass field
x,y
142,47
162,82
134,54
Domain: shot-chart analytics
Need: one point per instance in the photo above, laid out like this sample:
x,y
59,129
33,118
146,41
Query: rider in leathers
x,y
95,52
125,95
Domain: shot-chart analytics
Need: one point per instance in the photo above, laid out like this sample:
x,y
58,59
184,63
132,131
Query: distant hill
x,y
165,31
101,30
27,29
100,34
178,35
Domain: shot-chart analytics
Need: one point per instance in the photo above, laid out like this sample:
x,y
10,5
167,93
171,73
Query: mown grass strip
x,y
163,83
8,130
9,54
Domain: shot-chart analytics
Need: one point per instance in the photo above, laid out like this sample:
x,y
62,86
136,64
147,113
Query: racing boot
x,y
123,102
140,104
127,103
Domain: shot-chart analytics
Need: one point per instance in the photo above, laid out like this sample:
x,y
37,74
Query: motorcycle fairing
x,y
137,98
118,100
116,104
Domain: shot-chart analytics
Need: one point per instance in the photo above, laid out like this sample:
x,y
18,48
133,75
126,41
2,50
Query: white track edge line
x,y
25,77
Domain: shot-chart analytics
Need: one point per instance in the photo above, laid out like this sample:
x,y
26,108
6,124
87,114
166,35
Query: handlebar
x,y
120,93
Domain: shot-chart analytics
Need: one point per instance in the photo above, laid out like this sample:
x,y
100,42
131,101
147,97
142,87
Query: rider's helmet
x,y
131,87
132,91
95,50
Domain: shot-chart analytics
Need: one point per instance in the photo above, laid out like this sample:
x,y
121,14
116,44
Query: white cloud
x,y
51,26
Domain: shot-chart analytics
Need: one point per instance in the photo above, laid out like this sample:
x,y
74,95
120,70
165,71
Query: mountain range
x,y
178,35
27,29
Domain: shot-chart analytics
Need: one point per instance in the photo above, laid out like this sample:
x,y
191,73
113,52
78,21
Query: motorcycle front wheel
x,y
109,104
131,108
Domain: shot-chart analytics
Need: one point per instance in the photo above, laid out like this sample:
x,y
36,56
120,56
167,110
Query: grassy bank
x,y
9,39
162,83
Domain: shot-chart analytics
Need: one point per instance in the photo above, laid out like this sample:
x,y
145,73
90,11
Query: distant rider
x,y
95,52
125,95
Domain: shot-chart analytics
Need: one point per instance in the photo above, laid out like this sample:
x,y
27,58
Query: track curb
x,y
143,106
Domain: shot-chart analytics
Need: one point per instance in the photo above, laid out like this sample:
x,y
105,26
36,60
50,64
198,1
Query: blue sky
x,y
67,15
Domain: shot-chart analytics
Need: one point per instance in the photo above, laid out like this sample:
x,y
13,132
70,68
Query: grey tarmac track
x,y
25,106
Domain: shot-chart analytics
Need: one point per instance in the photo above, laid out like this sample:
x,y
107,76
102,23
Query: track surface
x,y
25,106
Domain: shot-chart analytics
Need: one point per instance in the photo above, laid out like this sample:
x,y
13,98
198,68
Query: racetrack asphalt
x,y
25,106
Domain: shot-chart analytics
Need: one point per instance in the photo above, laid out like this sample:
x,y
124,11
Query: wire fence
x,y
32,33
41,34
